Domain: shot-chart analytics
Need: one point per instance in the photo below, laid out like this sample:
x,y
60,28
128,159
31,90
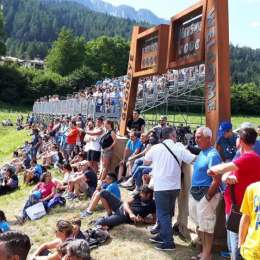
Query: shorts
x,y
111,199
107,153
203,213
93,156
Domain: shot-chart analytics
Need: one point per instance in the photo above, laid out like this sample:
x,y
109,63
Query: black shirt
x,y
91,178
142,208
136,125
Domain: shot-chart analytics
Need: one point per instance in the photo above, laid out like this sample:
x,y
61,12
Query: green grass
x,y
128,242
196,119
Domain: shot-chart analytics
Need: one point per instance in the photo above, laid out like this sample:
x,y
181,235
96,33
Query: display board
x,y
197,35
186,41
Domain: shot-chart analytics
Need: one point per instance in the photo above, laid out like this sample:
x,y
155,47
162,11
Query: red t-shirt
x,y
45,189
248,172
72,136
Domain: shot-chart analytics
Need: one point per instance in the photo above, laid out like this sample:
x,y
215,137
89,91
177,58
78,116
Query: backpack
x,y
96,237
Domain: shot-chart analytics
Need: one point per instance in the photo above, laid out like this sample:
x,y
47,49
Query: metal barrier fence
x,y
90,107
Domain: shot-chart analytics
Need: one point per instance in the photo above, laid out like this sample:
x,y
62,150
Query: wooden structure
x,y
197,35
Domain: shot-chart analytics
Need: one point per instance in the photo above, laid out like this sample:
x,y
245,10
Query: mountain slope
x,y
32,25
123,11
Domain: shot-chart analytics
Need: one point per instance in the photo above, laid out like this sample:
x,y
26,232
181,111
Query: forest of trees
x,y
32,25
77,54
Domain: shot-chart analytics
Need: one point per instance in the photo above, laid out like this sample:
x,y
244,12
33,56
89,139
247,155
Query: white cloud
x,y
255,24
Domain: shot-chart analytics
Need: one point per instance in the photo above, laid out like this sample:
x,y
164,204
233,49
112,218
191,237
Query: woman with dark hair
x,y
107,142
63,233
44,191
10,182
4,226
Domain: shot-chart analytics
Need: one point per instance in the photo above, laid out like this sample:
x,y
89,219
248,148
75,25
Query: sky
x,y
244,16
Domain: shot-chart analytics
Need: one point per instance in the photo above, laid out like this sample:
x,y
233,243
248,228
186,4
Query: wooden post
x,y
217,85
131,84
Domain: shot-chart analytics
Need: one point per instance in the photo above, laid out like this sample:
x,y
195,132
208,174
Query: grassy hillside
x,y
128,242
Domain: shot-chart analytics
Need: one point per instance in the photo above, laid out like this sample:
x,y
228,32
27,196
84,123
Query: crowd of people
x,y
107,95
151,168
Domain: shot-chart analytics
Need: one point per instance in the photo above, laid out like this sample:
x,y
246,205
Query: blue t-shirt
x,y
114,189
4,226
228,147
133,146
38,170
206,159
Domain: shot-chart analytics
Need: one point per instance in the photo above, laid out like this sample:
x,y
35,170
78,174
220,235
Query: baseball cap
x,y
224,127
244,125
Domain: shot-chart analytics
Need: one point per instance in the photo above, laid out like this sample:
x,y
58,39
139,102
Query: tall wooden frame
x,y
199,34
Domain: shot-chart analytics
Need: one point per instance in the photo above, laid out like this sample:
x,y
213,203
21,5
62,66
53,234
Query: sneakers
x,y
156,239
85,213
163,247
71,196
19,220
128,183
135,192
155,229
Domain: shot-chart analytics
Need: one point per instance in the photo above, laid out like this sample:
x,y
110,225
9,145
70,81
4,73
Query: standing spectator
x,y
14,246
166,159
226,143
240,173
93,145
162,124
136,123
249,230
35,143
107,142
72,137
205,191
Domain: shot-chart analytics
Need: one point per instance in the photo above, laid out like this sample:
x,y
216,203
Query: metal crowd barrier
x,y
71,107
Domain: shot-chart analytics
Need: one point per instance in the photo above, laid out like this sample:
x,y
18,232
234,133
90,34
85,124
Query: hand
x,y
231,180
139,219
211,173
133,217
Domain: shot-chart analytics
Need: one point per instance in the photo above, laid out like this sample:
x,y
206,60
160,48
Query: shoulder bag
x,y
233,220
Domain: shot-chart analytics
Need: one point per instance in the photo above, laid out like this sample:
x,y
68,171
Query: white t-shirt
x,y
165,169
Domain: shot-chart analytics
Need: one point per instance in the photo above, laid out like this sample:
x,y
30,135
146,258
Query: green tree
x,y
108,56
2,45
67,53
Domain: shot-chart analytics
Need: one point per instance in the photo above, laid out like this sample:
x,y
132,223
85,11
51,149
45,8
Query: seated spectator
x,y
14,245
44,191
68,175
84,181
4,226
249,230
133,147
10,181
75,250
240,173
77,233
135,210
226,143
109,187
64,233
138,169
158,129
33,175
136,123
